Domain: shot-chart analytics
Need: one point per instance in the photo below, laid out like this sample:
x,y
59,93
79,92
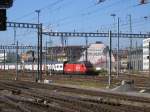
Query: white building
x,y
98,55
146,54
1,57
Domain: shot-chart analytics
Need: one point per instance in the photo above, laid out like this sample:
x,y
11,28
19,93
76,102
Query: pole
x,y
149,59
136,57
17,60
130,21
118,60
14,35
33,60
110,65
46,53
86,52
4,59
38,48
51,56
114,15
40,77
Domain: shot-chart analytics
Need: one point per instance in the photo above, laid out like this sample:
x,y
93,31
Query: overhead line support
x,y
39,28
84,34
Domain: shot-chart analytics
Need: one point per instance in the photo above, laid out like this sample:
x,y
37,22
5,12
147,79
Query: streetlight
x,y
99,1
118,27
146,18
38,13
118,60
113,15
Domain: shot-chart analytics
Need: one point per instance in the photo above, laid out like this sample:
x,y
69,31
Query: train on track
x,y
83,67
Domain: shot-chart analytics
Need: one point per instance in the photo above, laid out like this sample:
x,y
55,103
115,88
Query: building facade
x,y
98,55
123,59
137,59
146,54
66,53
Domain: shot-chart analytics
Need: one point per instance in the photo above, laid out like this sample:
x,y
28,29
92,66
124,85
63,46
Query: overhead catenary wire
x,y
82,14
58,8
61,23
65,18
135,22
50,5
123,23
74,15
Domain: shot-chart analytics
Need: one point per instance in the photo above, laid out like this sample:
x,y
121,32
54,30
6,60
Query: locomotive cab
x,y
78,68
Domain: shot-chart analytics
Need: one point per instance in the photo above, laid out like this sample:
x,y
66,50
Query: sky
x,y
77,15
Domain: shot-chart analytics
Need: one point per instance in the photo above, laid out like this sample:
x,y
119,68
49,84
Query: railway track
x,y
140,81
30,96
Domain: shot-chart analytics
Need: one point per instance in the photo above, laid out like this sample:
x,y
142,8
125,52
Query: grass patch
x,y
83,83
6,75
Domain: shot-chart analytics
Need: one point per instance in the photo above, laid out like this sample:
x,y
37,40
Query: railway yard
x,y
74,56
71,94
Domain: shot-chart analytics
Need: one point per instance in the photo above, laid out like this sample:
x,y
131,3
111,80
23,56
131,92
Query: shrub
x,y
100,72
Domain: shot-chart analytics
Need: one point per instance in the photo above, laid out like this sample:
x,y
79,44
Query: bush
x,y
100,72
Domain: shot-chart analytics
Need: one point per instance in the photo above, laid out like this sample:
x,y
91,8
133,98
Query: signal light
x,y
6,3
3,19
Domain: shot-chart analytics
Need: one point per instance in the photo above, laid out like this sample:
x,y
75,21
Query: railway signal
x,y
6,3
3,19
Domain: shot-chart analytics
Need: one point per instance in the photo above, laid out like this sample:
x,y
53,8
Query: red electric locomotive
x,y
78,68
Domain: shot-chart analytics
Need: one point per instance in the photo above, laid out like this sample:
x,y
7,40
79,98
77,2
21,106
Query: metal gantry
x,y
69,34
39,48
22,25
93,34
20,47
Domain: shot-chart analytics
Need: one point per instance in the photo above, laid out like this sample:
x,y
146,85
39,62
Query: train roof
x,y
44,62
80,62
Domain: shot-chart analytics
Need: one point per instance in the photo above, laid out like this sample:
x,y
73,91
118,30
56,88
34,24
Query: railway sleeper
x,y
123,100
